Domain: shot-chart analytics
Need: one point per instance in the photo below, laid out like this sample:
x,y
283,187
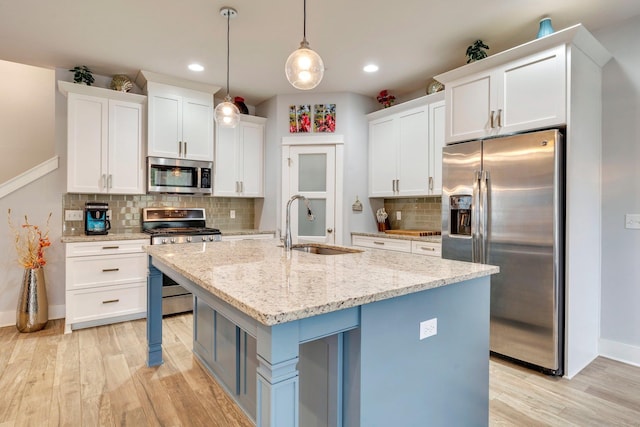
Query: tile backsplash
x,y
422,213
126,210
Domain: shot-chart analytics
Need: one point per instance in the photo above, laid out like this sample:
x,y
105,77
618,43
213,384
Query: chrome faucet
x,y
287,232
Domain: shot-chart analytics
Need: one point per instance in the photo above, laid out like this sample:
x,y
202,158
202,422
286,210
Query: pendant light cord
x,y
304,21
228,26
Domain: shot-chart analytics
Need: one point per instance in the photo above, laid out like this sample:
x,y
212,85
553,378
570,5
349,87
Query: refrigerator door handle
x,y
484,216
475,217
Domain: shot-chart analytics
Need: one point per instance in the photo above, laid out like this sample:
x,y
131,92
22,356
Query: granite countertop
x,y
432,239
259,279
139,235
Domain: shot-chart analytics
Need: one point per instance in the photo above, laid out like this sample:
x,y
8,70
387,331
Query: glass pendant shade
x,y
227,114
304,68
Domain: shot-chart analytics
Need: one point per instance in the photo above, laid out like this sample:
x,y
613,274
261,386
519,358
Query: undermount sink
x,y
319,249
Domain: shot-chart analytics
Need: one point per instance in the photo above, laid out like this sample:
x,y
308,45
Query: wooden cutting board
x,y
414,232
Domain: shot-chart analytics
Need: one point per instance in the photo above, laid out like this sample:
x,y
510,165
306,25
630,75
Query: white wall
x,y
351,123
36,200
620,317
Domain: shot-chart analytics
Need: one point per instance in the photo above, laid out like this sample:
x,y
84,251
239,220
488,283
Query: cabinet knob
x,y
329,230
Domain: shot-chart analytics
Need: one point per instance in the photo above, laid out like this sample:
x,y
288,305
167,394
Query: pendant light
x,y
304,67
226,113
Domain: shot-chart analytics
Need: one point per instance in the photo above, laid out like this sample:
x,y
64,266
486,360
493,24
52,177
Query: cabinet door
x,y
125,174
197,130
413,152
532,95
87,128
382,157
251,159
436,143
469,109
225,181
165,125
225,351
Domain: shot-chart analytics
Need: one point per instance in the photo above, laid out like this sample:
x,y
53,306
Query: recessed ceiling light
x,y
370,68
196,67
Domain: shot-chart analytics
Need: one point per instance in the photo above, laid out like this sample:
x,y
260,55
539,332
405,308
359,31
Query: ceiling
x,y
410,40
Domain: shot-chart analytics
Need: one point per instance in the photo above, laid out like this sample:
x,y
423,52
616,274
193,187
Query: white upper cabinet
x,y
403,157
180,118
104,140
239,159
180,122
524,94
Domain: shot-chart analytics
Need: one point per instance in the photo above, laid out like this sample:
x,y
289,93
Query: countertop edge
x,y
380,235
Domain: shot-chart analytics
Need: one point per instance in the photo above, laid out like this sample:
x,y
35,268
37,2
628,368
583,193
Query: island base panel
x,y
442,380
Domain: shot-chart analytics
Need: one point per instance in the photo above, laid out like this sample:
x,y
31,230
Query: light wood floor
x,y
98,377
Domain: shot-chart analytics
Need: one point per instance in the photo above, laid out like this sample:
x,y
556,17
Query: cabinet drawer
x,y
382,243
89,272
426,248
105,247
100,303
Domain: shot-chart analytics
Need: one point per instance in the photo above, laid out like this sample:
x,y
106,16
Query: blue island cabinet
x,y
363,366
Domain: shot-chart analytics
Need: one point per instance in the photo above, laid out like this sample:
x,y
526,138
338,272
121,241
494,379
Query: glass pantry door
x,y
312,175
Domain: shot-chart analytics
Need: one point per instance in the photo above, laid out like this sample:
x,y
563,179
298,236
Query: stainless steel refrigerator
x,y
503,204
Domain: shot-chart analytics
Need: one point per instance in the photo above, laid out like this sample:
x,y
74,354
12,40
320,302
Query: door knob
x,y
329,230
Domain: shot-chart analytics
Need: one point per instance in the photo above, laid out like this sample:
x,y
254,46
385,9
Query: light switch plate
x,y
72,215
428,328
632,221
232,214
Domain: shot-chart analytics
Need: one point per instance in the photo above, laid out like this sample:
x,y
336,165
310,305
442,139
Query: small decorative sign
x,y
299,118
324,118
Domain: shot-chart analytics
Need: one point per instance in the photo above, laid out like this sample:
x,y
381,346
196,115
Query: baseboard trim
x,y
621,352
8,318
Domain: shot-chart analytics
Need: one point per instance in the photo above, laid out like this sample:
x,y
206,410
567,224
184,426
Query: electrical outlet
x,y
428,328
632,221
398,215
232,214
72,215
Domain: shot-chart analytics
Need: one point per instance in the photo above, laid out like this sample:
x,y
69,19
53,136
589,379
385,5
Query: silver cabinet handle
x,y
179,148
427,248
185,148
105,270
378,243
110,182
492,118
111,247
397,185
499,118
237,187
431,183
242,186
104,181
110,301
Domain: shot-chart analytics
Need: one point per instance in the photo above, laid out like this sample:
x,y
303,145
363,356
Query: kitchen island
x,y
412,332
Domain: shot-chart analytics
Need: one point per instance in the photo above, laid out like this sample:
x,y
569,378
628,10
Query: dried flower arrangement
x,y
30,242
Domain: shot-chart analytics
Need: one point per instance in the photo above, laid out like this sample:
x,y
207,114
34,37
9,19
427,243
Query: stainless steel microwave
x,y
181,176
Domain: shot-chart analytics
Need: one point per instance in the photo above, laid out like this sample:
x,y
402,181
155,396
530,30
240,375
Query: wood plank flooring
x,y
98,377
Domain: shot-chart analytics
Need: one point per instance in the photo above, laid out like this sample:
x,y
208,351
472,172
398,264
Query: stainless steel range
x,y
177,226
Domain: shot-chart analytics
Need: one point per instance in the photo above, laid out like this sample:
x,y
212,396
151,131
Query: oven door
x,y
166,175
175,298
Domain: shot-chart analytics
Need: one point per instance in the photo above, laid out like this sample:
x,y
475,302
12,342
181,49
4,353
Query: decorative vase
x,y
545,27
32,313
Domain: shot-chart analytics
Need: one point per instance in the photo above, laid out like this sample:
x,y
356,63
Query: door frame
x,y
328,139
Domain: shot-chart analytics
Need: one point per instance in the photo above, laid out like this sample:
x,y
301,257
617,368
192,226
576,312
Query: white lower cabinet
x,y
382,243
426,248
419,247
105,282
247,237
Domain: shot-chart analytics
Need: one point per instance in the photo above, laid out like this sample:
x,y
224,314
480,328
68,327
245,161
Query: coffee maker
x,y
96,220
